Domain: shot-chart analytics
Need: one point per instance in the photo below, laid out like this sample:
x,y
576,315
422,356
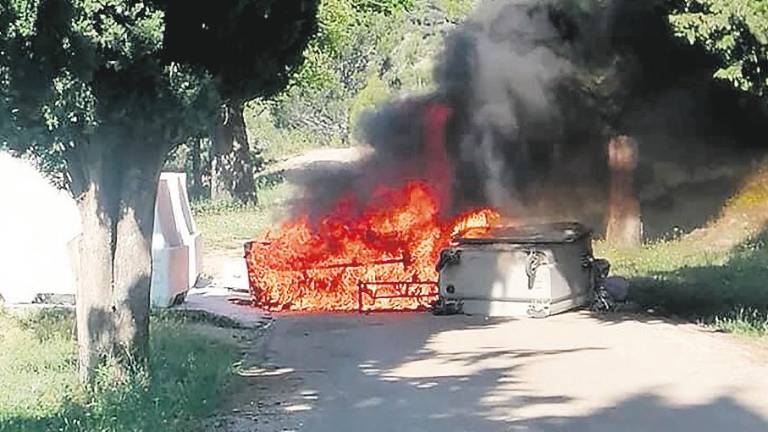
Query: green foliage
x,y
278,143
87,70
734,30
251,47
747,321
456,9
143,74
339,60
722,288
374,93
382,6
38,369
364,54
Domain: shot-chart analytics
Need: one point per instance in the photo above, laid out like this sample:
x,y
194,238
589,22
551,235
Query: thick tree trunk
x,y
624,225
231,164
115,191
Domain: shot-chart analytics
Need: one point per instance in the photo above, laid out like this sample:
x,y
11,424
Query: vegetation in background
x,y
365,53
725,289
734,30
362,57
191,365
251,49
744,321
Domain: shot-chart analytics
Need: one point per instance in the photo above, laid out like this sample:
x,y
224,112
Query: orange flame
x,y
396,237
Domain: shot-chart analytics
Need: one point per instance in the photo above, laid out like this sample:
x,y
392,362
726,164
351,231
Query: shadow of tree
x,y
707,291
442,393
649,412
414,372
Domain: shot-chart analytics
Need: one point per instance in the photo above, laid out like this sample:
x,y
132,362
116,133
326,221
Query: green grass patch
x,y
743,321
725,289
190,371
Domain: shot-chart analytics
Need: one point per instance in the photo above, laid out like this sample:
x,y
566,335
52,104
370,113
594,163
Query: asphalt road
x,y
569,373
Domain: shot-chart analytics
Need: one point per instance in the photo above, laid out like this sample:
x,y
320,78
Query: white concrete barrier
x,y
176,243
38,221
190,234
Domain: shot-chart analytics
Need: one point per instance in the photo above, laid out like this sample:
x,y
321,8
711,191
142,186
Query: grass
x,y
226,226
747,321
190,371
722,289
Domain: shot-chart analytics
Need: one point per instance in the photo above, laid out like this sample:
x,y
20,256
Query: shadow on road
x,y
415,372
648,412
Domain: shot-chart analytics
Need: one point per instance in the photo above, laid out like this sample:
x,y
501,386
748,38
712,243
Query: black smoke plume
x,y
536,89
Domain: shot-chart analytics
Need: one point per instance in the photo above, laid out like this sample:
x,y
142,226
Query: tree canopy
x,y
77,72
160,67
250,47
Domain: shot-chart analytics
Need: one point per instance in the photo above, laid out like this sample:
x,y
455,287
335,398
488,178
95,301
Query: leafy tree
x,y
338,62
112,85
736,31
251,48
365,53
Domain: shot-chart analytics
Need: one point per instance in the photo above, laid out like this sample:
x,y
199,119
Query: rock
x,y
617,287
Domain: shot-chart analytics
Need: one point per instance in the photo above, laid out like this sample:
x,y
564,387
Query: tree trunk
x,y
231,164
624,225
196,191
115,190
